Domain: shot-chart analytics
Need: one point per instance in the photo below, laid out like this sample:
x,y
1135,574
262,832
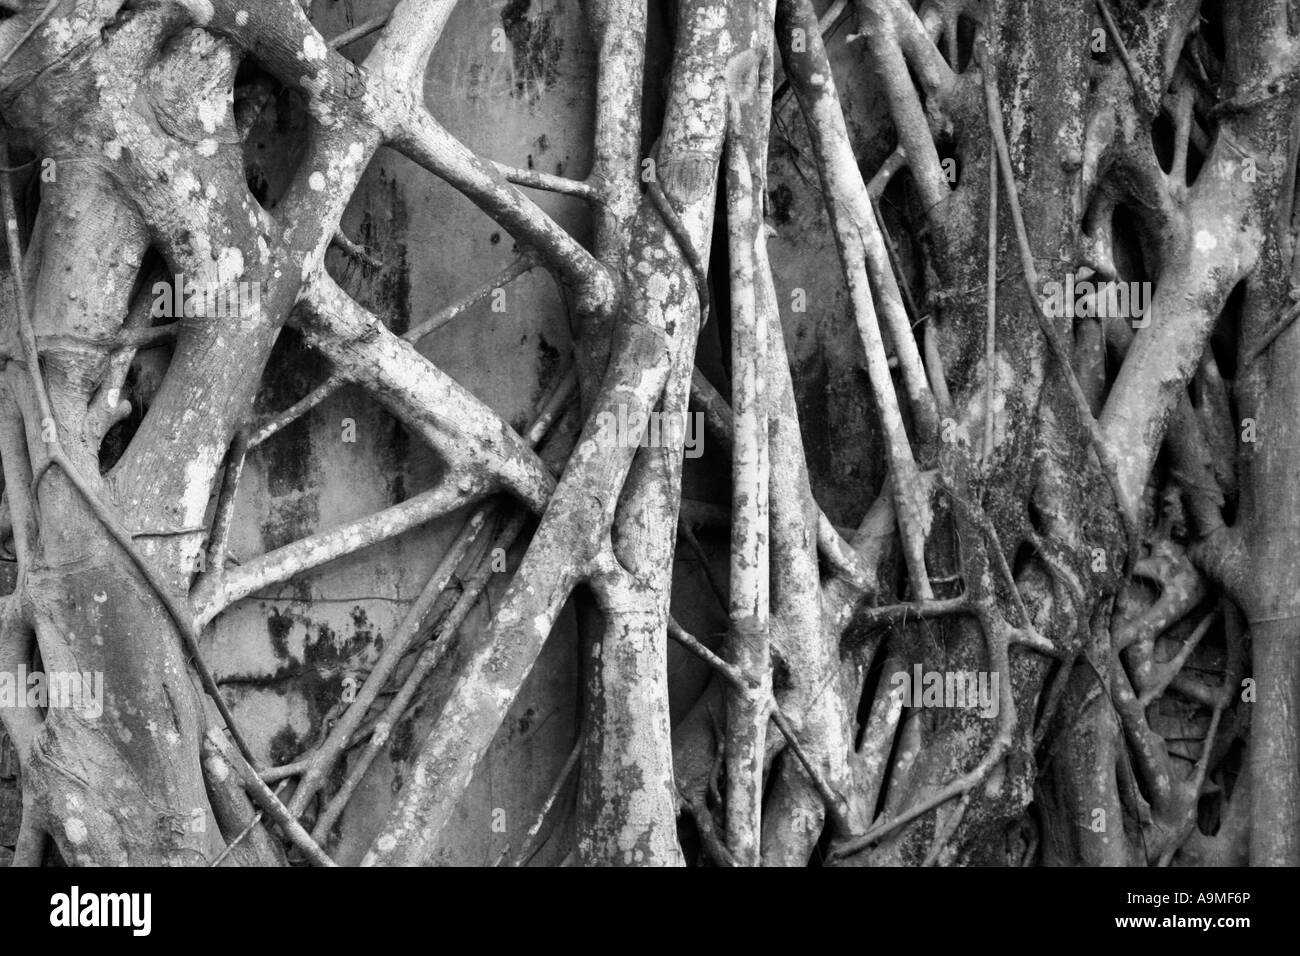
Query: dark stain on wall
x,y
284,747
394,452
278,625
536,47
779,202
327,661
292,372
550,364
386,291
845,474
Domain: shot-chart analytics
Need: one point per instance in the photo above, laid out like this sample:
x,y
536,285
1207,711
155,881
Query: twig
x,y
1171,668
355,249
224,515
30,32
991,316
323,760
263,796
719,592
1282,323
713,846
424,665
914,610
414,335
947,831
527,852
835,804
252,825
359,32
748,637
1135,74
1198,782
734,675
745,683
551,183
892,164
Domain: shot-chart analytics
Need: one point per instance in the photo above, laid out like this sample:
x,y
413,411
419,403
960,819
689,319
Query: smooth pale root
x,y
857,238
748,640
1194,284
627,801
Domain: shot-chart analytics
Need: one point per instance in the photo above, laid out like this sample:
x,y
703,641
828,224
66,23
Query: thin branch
x,y
914,611
479,447
243,834
417,333
340,735
991,315
748,684
429,659
265,798
224,516
748,638
527,851
355,250
735,676
359,32
1135,74
895,161
842,557
549,182
421,138
1184,100
217,593
1197,787
1170,669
